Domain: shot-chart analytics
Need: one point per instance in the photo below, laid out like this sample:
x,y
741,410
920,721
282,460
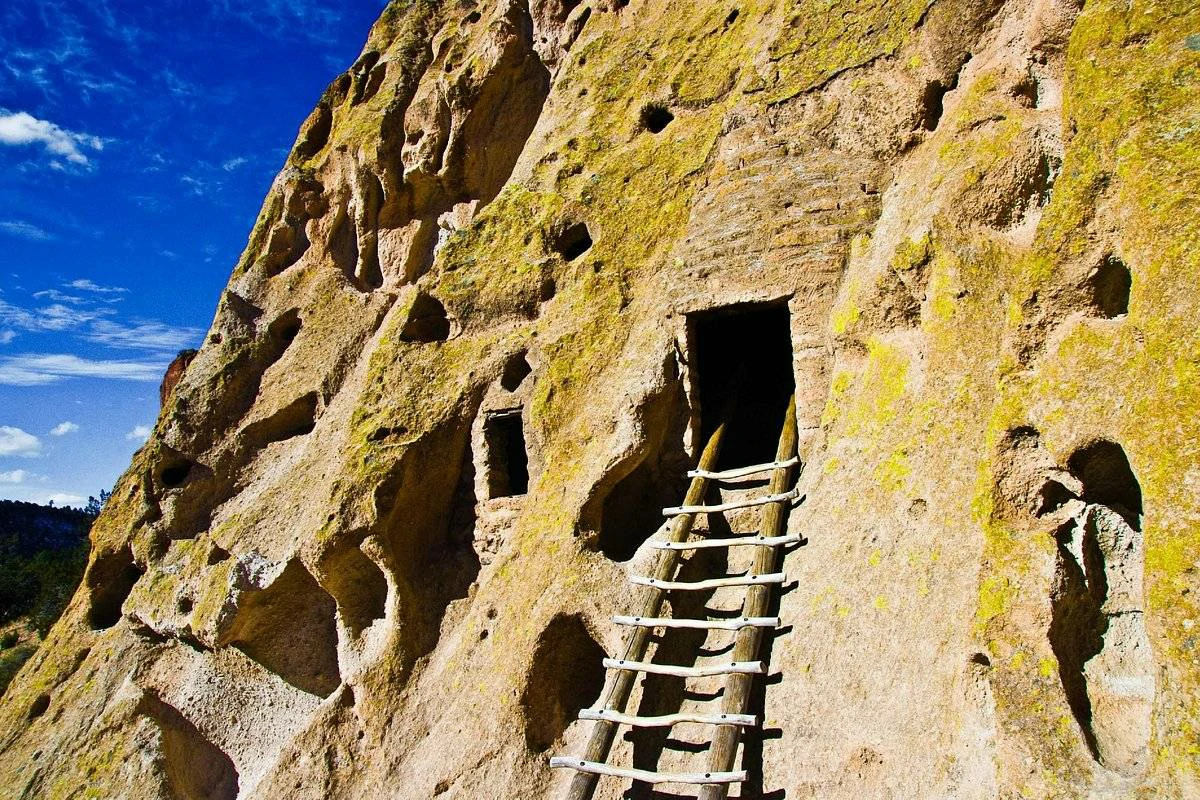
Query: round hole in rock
x,y
427,321
1108,479
175,474
1109,287
185,605
574,241
39,706
516,370
655,117
567,675
109,580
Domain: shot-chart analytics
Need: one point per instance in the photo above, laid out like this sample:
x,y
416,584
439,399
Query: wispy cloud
x,y
140,433
58,297
64,499
14,476
6,337
24,230
63,428
31,369
16,442
21,128
301,17
142,336
52,318
233,163
86,285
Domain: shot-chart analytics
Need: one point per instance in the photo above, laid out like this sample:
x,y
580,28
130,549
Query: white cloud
x,y
63,428
86,285
25,230
234,163
16,442
21,128
15,476
7,336
65,499
143,336
140,433
36,370
54,317
59,297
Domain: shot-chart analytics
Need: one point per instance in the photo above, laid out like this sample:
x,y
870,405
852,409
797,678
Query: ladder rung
x,y
735,668
675,511
700,624
607,715
560,762
741,541
742,472
712,583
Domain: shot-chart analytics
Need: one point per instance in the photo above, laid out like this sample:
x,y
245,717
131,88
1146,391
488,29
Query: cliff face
x,y
485,269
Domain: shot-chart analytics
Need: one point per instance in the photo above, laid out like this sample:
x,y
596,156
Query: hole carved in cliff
x,y
655,118
516,370
109,580
507,458
289,628
573,241
195,768
427,321
297,418
359,587
1097,628
1108,288
567,675
741,358
625,507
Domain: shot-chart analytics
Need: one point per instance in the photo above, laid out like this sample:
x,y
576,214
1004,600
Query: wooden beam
x,y
739,541
778,497
742,472
594,768
667,720
749,667
699,624
736,698
711,583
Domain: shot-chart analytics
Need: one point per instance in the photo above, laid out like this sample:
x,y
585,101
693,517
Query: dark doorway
x,y
508,463
742,355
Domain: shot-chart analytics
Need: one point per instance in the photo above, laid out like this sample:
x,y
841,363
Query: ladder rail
x,y
583,785
736,699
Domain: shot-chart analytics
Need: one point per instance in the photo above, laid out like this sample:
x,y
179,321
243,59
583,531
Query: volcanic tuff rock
x,y
484,265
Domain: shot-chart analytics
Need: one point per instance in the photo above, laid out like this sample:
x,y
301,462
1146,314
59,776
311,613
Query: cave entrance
x,y
508,461
743,350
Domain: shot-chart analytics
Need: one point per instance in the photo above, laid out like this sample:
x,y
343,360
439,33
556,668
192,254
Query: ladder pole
x,y
736,699
583,785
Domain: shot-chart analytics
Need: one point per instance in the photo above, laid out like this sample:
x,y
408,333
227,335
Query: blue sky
x,y
137,141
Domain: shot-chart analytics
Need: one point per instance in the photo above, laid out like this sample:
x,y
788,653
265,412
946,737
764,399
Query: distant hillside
x,y
43,551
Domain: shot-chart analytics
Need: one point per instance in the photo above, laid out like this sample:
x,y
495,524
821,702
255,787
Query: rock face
x,y
373,545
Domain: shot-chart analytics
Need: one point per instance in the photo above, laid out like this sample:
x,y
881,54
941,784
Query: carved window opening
x,y
508,460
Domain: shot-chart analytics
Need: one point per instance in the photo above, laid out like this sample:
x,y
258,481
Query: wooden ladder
x,y
735,712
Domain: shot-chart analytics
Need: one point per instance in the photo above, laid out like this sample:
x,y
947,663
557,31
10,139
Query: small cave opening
x,y
573,241
359,587
625,508
281,333
516,370
289,628
507,458
655,117
1109,287
193,766
110,580
38,707
932,104
567,675
297,418
741,359
427,321
175,473
1103,469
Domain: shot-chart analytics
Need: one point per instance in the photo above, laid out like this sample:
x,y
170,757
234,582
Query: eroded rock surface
x,y
373,545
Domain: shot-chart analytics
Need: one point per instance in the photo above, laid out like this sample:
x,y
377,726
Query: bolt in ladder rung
x,y
740,541
699,624
561,762
743,667
712,583
785,497
742,472
667,720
